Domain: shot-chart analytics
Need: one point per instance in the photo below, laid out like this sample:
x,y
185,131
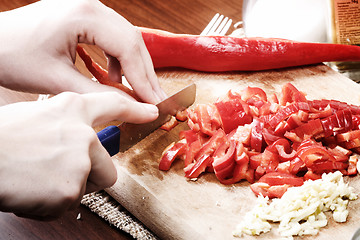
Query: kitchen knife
x,y
120,138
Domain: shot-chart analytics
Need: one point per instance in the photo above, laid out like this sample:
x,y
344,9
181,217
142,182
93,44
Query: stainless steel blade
x,y
130,133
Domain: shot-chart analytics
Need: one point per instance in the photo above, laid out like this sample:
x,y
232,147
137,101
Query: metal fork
x,y
218,26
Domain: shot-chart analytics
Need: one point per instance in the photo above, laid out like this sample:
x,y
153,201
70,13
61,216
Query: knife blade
x,y
122,137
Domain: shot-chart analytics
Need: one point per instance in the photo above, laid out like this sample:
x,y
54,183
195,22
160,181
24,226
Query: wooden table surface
x,y
179,16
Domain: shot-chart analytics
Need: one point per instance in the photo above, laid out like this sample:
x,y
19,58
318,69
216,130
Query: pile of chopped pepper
x,y
272,142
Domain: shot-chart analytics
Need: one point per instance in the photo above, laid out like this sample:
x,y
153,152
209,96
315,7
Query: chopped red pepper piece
x,y
170,124
198,167
256,139
170,154
232,114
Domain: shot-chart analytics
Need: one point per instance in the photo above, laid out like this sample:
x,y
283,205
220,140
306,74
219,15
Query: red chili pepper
x,y
226,53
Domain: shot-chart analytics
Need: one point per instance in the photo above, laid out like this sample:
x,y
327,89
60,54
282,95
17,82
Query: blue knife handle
x,y
110,139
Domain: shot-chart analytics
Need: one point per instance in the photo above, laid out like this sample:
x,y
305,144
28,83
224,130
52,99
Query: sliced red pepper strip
x,y
310,175
280,142
312,128
212,144
339,122
287,111
204,118
296,166
232,114
328,166
351,144
256,135
269,191
283,149
313,154
181,115
170,124
269,136
101,74
199,167
192,150
352,169
224,160
275,184
348,136
240,171
279,178
241,154
269,161
315,113
253,92
319,105
170,154
290,94
233,166
226,53
95,69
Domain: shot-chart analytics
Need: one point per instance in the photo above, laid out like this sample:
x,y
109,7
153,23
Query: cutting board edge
x,y
132,198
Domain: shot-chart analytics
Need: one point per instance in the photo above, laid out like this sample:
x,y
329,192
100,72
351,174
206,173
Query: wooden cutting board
x,y
176,208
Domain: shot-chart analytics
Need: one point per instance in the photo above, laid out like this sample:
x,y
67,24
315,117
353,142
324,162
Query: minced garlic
x,y
300,211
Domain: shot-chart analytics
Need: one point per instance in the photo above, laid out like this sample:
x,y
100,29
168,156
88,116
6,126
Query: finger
x,y
117,37
151,73
135,71
103,172
108,106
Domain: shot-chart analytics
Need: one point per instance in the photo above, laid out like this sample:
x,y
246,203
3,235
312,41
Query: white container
x,y
301,20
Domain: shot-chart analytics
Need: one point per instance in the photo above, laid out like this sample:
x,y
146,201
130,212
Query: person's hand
x,y
50,154
38,48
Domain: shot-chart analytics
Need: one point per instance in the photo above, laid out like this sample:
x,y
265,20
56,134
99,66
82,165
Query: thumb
x,y
108,106
102,107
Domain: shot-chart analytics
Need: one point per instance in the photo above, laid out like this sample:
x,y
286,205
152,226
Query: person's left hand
x,y
38,48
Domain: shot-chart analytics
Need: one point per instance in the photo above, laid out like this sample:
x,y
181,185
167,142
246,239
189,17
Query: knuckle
x,y
71,195
68,98
134,39
85,135
71,101
84,7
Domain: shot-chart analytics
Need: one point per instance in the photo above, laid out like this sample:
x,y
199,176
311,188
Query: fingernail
x,y
152,109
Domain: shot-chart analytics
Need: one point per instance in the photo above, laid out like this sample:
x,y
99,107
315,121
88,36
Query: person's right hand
x,y
50,155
